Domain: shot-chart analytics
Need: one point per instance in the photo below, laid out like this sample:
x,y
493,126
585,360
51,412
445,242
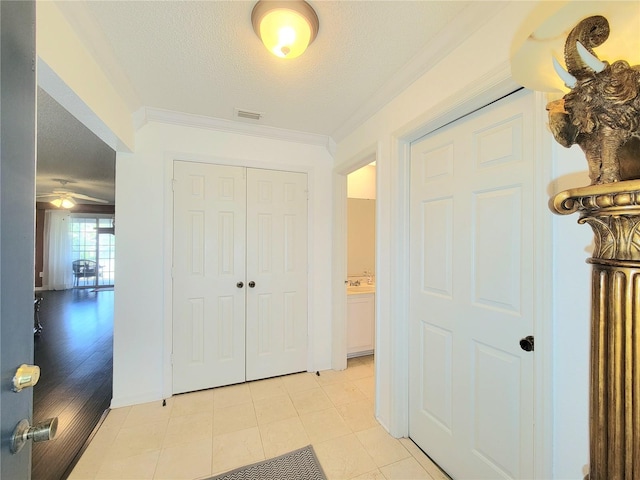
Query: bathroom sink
x,y
366,288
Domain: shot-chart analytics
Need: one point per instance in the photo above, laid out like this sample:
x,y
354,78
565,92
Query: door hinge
x,y
173,184
171,358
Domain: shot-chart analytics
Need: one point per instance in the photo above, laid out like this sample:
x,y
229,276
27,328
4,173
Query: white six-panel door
x,y
239,276
208,262
277,264
471,294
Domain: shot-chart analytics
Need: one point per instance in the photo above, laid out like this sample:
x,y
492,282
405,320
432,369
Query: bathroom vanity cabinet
x,y
360,323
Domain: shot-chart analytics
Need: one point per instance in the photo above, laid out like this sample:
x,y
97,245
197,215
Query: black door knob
x,y
239,284
252,284
526,343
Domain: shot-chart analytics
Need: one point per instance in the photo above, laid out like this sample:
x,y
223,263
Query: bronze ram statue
x,y
601,113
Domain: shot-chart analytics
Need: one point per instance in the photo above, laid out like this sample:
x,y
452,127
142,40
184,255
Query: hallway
x,y
74,353
212,431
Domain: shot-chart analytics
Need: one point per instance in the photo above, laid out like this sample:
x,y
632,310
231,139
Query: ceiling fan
x,y
63,198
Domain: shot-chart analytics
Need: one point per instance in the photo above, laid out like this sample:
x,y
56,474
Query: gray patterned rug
x,y
300,464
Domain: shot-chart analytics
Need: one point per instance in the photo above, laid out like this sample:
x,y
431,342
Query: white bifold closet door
x,y
239,274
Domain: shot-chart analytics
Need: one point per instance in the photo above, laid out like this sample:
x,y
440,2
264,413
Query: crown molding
x,y
148,114
449,38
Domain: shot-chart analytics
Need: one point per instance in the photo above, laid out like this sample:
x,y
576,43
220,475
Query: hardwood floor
x,y
75,355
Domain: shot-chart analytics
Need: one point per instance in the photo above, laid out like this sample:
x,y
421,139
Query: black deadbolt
x,y
239,284
252,284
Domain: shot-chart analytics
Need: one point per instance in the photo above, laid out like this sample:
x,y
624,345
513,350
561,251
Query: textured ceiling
x,y
67,150
204,58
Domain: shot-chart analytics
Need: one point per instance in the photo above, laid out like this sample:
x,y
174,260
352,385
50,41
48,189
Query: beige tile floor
x,y
206,433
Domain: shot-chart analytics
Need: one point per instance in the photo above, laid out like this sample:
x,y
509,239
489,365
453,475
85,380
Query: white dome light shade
x,y
286,28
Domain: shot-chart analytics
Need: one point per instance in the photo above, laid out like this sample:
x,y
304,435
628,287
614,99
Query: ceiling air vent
x,y
248,115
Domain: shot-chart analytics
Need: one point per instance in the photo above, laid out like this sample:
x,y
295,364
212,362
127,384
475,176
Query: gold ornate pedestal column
x,y
613,211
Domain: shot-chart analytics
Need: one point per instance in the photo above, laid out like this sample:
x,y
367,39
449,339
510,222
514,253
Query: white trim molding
x,y
145,115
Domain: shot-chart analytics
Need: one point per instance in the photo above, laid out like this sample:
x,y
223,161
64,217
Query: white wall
x,y
68,72
361,237
479,67
572,245
431,96
362,183
142,316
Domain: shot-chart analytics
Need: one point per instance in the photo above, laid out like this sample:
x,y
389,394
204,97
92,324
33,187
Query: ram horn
x,y
589,59
568,79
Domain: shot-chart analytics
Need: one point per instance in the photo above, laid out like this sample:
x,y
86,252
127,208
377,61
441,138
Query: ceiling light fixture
x,y
286,28
63,201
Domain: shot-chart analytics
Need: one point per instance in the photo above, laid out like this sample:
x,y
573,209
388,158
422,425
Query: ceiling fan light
x,y
68,203
286,28
63,202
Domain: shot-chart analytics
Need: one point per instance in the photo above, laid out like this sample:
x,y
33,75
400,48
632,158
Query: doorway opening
x,y
73,345
361,261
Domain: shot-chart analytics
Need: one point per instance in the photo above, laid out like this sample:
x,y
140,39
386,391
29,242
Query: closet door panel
x,y
208,262
276,320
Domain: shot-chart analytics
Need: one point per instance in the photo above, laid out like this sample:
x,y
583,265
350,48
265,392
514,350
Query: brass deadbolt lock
x,y
26,376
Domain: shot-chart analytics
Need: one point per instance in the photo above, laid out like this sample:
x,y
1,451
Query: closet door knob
x,y
239,284
527,344
252,284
